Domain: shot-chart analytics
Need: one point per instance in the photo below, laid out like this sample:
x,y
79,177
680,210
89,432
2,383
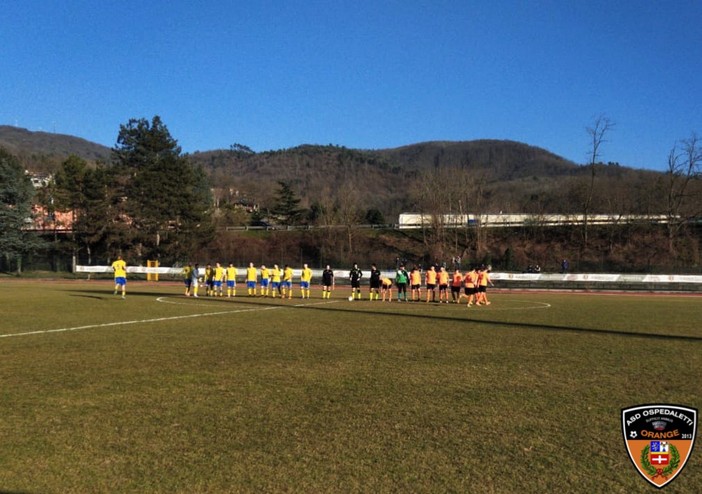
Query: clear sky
x,y
367,74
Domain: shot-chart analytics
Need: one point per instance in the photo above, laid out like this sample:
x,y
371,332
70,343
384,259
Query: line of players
x,y
215,279
471,285
279,282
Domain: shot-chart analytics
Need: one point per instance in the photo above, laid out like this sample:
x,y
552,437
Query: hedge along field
x,y
162,393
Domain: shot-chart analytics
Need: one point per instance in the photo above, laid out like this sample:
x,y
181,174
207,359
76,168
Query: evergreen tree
x,y
16,193
100,225
374,217
165,199
286,207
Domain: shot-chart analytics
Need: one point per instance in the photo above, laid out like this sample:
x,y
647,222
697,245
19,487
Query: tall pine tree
x,y
16,193
287,205
166,200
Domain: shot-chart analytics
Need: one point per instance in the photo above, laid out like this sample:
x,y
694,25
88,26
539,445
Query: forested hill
x,y
506,159
378,175
512,176
44,151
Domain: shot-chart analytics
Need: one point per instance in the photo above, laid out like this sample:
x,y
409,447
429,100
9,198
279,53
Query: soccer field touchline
x,y
157,319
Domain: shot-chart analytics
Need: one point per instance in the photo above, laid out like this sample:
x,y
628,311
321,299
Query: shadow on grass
x,y
294,304
96,297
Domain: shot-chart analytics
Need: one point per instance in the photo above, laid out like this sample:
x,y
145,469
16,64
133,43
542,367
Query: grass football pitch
x,y
162,393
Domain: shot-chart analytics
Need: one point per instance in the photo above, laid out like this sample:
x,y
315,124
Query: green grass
x,y
259,395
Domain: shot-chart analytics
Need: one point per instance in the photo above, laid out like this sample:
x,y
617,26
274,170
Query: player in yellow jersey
x,y
217,280
251,277
265,280
386,288
120,269
305,281
187,278
209,280
230,275
287,281
275,280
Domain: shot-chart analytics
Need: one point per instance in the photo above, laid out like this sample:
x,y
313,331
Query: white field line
x,y
158,319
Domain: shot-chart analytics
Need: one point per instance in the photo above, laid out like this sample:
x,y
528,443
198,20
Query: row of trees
x,y
350,193
16,196
149,202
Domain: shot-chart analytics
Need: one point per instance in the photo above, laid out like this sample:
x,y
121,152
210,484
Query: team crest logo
x,y
659,439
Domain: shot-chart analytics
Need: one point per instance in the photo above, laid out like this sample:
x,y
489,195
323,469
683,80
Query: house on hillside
x,y
51,221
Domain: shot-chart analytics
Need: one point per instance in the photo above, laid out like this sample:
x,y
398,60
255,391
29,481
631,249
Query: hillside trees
x,y
446,191
336,212
88,193
683,191
68,191
151,203
16,194
287,205
349,212
164,198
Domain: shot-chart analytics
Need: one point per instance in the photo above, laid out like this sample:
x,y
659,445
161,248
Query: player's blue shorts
x,y
188,282
275,285
305,284
250,284
120,280
231,283
287,284
218,283
264,282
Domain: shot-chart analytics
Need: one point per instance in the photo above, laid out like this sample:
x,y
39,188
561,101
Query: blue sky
x,y
361,74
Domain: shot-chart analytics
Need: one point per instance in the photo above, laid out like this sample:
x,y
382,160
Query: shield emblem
x,y
659,439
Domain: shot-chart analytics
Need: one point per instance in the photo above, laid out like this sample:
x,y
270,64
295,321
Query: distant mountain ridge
x,y
413,157
509,159
517,177
26,143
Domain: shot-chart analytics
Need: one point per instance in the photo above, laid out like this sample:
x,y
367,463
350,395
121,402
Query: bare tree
x,y
472,201
349,212
326,217
597,133
682,197
436,197
445,197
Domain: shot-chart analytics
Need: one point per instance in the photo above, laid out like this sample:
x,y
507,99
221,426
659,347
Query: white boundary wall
x,y
342,275
598,277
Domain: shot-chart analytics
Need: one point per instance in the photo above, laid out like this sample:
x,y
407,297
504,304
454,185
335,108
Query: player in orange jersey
x,y
443,278
470,281
415,284
483,282
430,280
456,283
